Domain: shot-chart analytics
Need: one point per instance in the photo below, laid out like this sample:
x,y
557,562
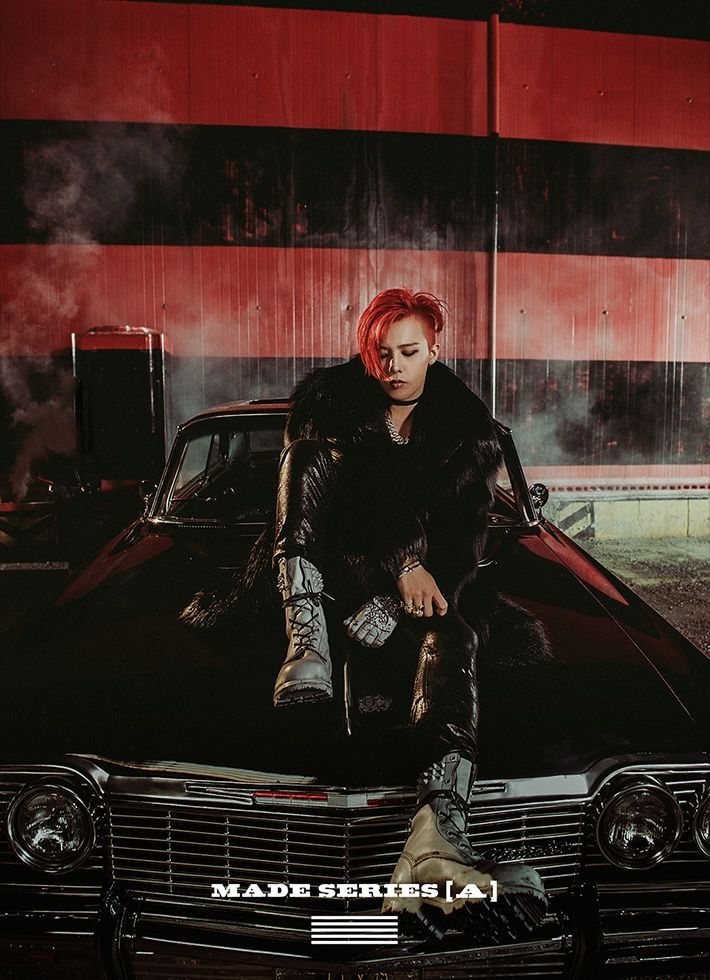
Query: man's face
x,y
405,355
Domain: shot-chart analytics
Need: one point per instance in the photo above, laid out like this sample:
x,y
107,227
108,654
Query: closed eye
x,y
406,353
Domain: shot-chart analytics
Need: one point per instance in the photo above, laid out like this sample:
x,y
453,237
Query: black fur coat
x,y
429,498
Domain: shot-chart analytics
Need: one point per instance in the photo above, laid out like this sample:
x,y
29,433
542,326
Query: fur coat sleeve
x,y
459,515
459,440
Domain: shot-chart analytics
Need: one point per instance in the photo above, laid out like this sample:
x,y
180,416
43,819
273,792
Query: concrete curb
x,y
607,515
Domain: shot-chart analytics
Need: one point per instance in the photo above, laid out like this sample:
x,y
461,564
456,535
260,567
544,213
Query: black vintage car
x,y
144,769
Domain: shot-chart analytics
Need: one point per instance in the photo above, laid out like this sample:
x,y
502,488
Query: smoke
x,y
42,425
548,408
37,392
196,381
87,189
78,192
557,433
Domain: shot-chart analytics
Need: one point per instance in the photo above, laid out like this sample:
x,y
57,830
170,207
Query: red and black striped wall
x,y
244,178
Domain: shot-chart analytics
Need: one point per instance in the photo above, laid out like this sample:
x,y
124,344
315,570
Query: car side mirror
x,y
146,489
539,494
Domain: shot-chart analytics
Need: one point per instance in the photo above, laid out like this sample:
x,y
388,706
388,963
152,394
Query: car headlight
x,y
701,825
50,827
639,823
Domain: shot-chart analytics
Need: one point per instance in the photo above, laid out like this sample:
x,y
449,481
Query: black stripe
x,y
562,412
605,412
212,185
598,199
665,18
571,413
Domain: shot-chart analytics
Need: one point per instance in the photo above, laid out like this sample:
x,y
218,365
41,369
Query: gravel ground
x,y
670,574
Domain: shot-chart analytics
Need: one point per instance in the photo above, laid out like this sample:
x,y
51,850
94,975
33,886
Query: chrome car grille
x,y
167,840
171,850
8,858
179,850
548,836
176,851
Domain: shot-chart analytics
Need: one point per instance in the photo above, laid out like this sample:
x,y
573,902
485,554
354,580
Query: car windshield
x,y
224,469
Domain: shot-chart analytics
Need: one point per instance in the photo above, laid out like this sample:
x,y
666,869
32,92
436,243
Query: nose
x,y
395,365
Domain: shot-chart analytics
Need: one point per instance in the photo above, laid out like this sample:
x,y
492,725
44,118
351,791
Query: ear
x,y
433,353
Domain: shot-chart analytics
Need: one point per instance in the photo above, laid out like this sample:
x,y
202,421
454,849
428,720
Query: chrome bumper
x,y
589,934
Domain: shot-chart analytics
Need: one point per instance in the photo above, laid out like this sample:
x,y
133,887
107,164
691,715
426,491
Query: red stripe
x,y
562,84
224,301
643,476
79,59
595,307
270,302
152,62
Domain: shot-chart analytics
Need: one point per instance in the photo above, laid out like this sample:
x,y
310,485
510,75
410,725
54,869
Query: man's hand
x,y
420,593
374,621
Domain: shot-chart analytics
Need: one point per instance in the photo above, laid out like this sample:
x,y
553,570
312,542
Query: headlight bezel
x,y
88,820
704,805
626,786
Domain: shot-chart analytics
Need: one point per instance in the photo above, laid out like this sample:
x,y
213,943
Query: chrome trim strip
x,y
658,936
58,890
559,943
542,790
643,887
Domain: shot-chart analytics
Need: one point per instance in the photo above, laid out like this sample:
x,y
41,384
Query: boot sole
x,y
300,692
511,919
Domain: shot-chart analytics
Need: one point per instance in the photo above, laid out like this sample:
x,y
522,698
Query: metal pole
x,y
493,132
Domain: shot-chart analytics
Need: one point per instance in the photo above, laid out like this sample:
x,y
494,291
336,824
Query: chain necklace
x,y
395,436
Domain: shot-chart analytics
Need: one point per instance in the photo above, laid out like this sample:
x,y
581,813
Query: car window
x,y
266,440
504,510
223,470
198,455
503,476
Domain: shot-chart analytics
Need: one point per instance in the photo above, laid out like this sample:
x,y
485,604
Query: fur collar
x,y
346,404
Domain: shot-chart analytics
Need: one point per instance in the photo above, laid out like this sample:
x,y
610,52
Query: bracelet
x,y
388,604
409,568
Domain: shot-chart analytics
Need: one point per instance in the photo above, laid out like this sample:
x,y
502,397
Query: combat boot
x,y
438,852
306,671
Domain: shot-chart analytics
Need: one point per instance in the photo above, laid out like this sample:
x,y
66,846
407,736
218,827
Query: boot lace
x,y
305,630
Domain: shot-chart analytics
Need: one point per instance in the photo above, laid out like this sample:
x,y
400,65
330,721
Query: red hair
x,y
385,309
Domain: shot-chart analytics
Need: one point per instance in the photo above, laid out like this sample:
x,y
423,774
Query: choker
x,y
398,401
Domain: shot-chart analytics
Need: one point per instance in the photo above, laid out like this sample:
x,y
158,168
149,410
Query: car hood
x,y
110,670
620,678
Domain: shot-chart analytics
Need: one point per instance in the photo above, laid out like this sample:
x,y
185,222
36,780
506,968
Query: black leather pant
x,y
304,500
444,711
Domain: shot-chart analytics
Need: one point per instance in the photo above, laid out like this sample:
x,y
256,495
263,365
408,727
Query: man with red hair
x,y
386,479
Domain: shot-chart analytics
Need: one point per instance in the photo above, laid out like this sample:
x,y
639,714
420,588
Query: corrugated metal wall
x,y
245,178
